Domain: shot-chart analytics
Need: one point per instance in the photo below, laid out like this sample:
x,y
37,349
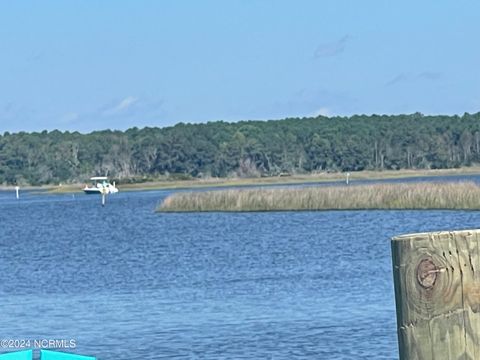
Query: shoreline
x,y
273,180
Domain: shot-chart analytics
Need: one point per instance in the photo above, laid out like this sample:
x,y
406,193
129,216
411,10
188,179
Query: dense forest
x,y
244,149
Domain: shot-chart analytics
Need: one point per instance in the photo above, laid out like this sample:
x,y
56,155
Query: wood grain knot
x,y
427,273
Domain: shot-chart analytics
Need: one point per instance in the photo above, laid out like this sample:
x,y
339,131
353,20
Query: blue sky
x,y
89,65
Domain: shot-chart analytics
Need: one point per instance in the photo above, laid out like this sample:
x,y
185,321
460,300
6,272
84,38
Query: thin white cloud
x,y
121,106
311,102
323,111
120,113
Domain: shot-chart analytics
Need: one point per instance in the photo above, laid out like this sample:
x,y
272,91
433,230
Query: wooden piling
x,y
437,293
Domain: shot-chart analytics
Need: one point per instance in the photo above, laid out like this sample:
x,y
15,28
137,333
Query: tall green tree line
x,y
246,148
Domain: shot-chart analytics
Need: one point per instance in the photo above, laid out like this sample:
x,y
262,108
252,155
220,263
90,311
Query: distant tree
x,y
245,148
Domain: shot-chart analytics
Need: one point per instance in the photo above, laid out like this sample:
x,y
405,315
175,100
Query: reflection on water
x,y
127,283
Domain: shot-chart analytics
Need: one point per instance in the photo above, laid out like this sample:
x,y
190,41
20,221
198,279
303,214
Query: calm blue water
x,y
127,283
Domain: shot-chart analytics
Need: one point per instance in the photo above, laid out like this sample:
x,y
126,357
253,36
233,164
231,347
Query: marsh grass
x,y
459,196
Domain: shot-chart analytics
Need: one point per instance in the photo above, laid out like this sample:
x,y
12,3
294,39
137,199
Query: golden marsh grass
x,y
455,196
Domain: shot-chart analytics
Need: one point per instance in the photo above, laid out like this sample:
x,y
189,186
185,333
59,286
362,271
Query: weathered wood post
x,y
437,293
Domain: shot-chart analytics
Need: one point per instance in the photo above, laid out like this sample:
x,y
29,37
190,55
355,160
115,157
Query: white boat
x,y
100,185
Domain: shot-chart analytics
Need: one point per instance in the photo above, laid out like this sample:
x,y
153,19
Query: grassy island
x,y
455,196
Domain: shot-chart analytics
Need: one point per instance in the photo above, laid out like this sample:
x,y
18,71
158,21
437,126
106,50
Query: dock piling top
x,y
437,293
